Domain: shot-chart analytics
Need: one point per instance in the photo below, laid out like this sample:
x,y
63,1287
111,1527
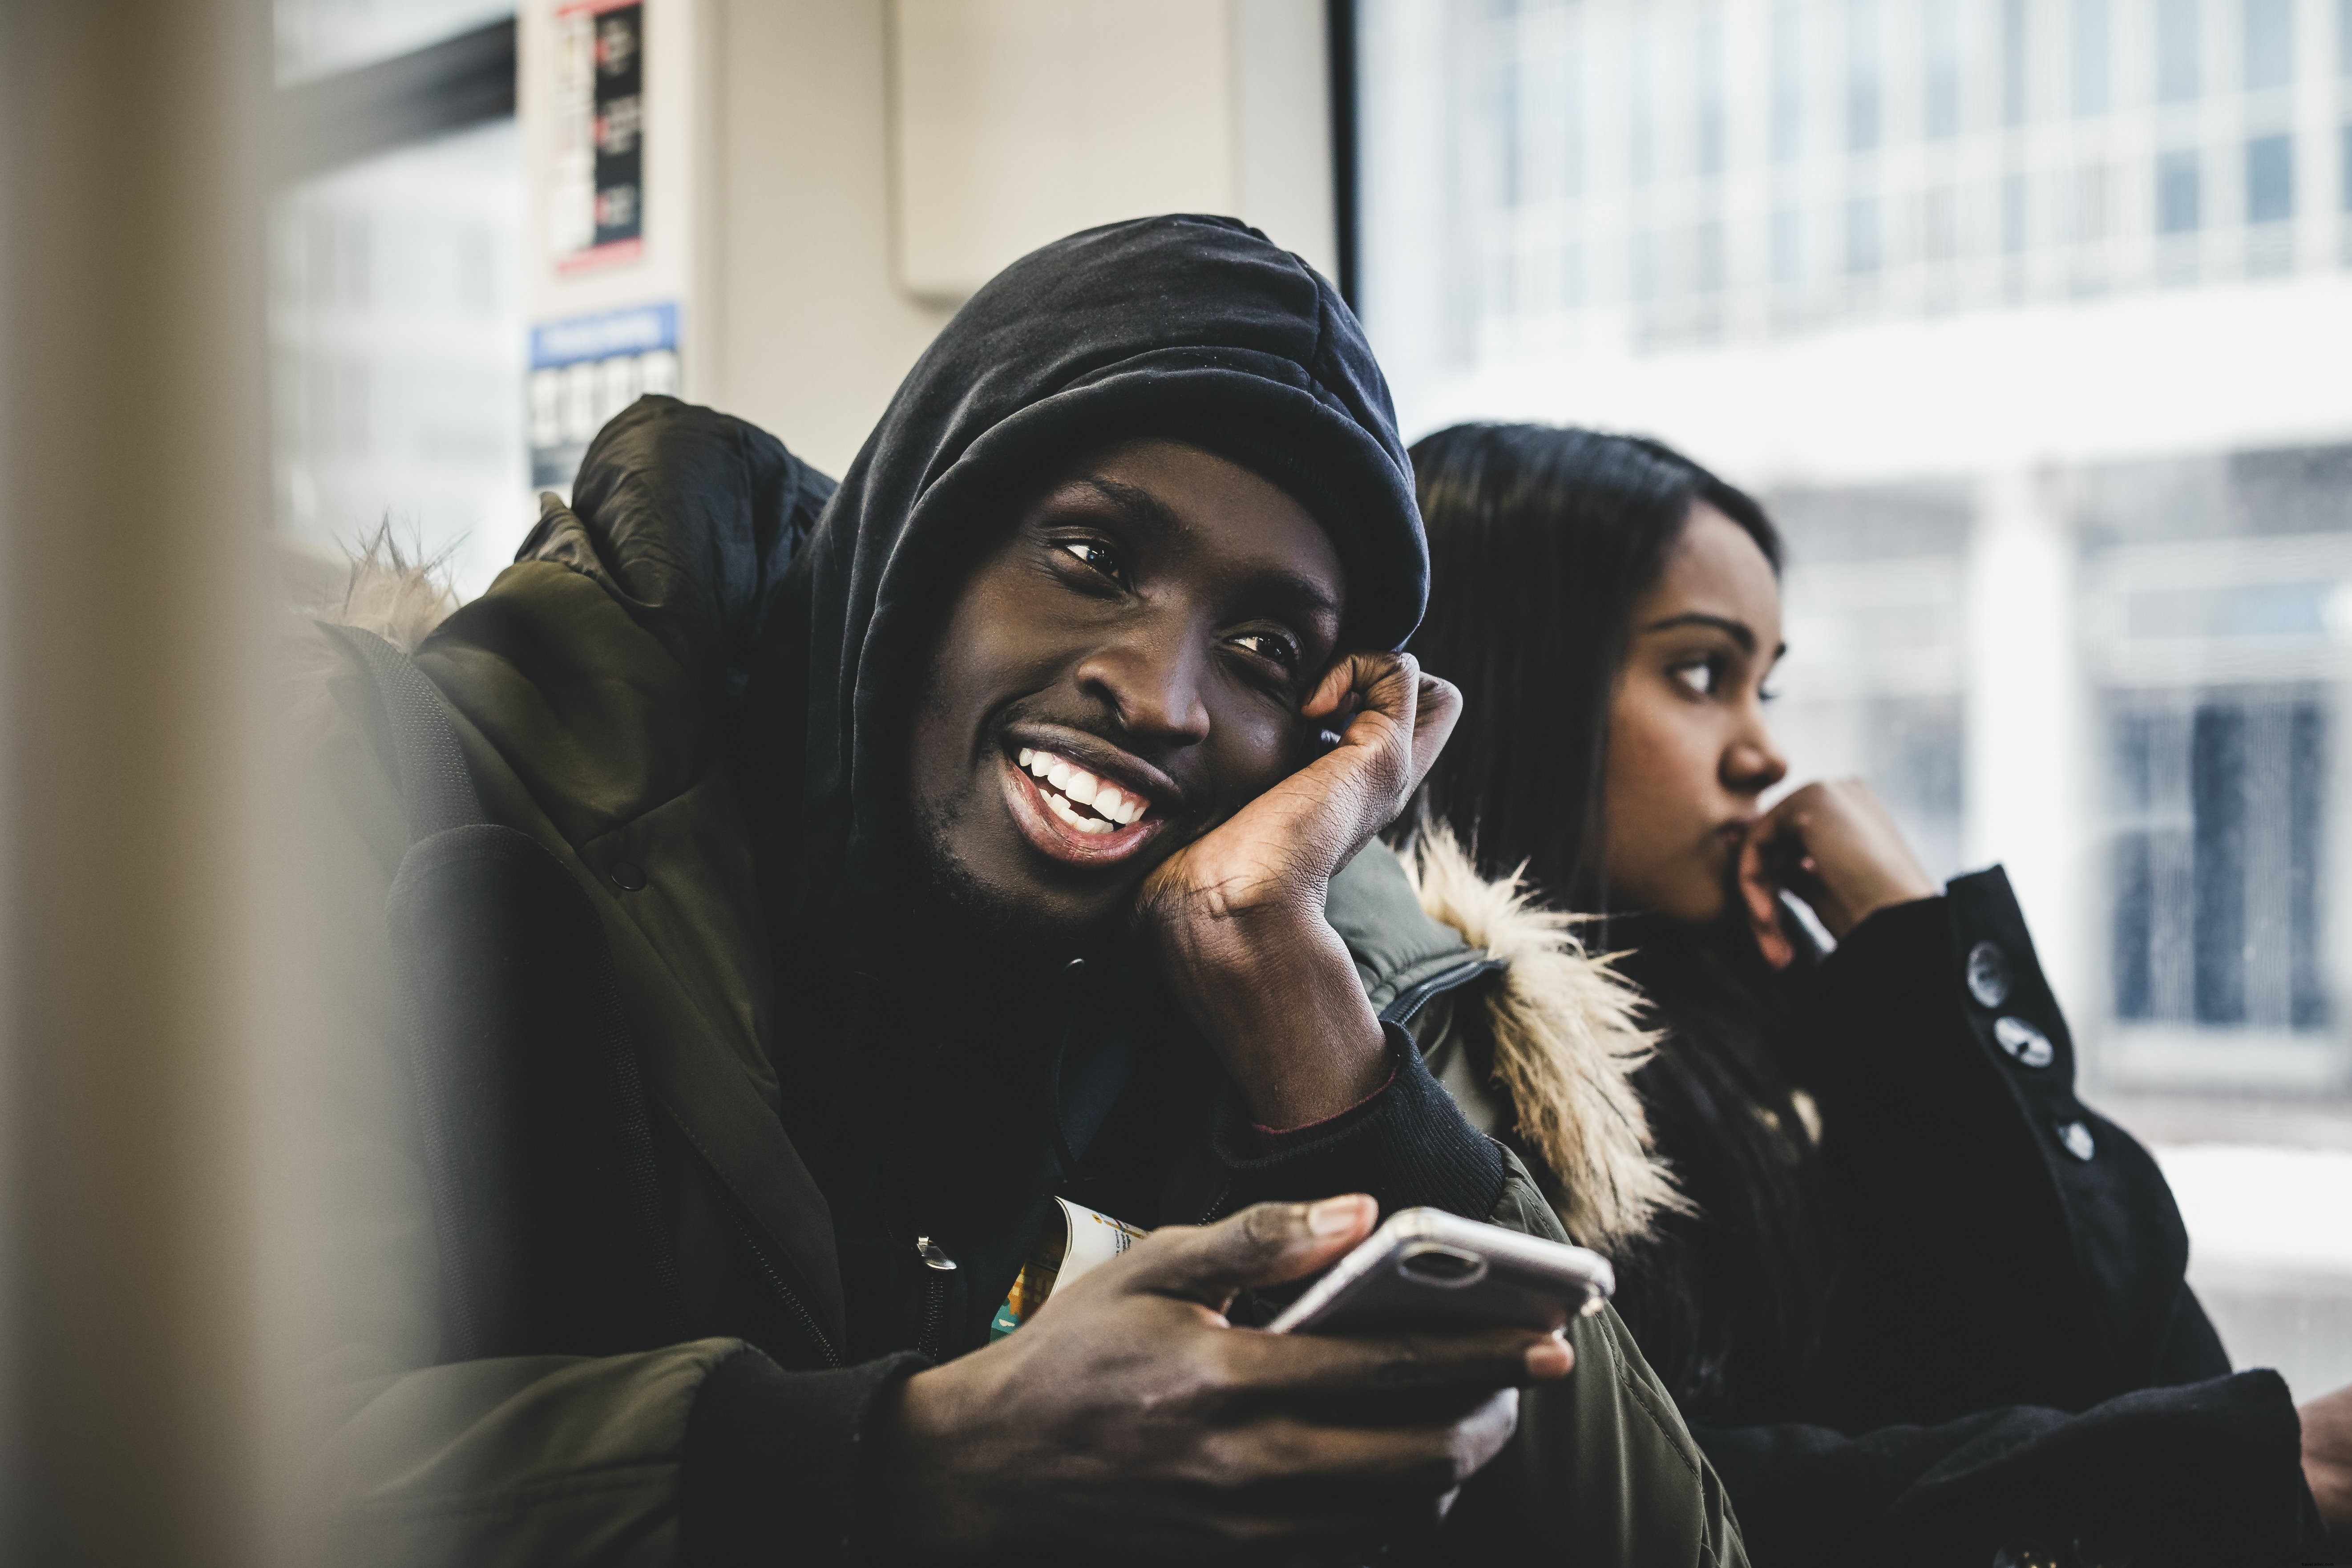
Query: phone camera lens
x,y
1443,1265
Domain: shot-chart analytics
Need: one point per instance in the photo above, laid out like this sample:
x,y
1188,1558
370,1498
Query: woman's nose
x,y
1753,763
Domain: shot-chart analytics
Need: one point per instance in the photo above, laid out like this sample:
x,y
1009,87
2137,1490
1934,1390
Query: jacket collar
x,y
1562,1025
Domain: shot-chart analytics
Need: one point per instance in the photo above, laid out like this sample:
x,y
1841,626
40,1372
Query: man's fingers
x,y
1437,709
1430,1457
1266,1244
1384,683
1376,1368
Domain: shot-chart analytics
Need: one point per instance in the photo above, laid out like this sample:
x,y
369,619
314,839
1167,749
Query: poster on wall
x,y
597,183
584,370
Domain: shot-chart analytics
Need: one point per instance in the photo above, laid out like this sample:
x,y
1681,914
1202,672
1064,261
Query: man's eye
x,y
1270,645
1699,676
1094,552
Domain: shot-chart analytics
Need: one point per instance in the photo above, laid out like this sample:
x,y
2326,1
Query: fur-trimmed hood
x,y
1559,1038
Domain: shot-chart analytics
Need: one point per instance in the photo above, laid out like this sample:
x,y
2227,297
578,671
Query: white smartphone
x,y
1427,1270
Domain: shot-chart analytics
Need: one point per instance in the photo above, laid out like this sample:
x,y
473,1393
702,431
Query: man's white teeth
x,y
1069,814
1073,786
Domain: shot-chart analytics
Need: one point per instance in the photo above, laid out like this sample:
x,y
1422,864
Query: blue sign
x,y
634,330
586,370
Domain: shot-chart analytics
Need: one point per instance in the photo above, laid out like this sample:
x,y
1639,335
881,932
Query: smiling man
x,y
835,882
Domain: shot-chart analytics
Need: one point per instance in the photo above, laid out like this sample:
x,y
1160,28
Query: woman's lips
x,y
1074,815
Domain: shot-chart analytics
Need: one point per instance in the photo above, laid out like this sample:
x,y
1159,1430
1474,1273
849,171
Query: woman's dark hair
x,y
1539,542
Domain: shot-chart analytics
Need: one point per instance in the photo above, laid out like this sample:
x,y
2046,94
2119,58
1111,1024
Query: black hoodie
x,y
1184,327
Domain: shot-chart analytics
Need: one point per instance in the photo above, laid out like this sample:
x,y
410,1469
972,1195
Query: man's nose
x,y
1152,678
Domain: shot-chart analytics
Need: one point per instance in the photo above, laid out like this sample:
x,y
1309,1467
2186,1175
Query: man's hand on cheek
x,y
1236,917
1127,1420
1282,848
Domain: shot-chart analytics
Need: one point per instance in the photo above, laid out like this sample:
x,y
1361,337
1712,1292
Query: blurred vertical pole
x,y
2031,747
132,502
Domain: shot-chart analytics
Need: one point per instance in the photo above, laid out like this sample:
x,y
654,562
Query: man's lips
x,y
1075,815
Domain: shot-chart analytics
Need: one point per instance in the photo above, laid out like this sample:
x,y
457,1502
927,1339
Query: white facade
x,y
1942,277
2028,319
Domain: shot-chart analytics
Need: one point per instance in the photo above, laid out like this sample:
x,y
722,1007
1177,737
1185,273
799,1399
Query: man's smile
x,y
1075,814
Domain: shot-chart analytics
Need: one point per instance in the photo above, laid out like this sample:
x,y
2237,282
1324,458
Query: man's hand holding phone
x,y
1129,1416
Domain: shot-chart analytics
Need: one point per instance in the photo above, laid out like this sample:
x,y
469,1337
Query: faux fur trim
x,y
386,592
1566,1047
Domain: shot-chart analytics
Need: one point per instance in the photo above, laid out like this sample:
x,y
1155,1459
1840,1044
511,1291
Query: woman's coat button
x,y
1987,975
2024,1043
2077,1139
629,876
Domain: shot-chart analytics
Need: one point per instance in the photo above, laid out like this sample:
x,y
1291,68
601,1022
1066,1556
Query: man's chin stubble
x,y
992,913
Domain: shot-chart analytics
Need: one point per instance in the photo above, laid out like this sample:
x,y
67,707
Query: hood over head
x,y
1194,329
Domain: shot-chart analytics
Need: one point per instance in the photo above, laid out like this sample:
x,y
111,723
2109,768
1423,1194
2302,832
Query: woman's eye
x,y
1699,678
1269,645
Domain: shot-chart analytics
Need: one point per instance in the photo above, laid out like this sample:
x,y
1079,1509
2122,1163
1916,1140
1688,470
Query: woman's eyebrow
x,y
1737,631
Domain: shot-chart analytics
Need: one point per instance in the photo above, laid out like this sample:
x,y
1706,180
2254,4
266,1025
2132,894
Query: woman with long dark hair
x,y
1920,1304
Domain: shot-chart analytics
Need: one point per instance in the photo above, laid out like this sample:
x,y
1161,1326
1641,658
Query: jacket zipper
x,y
938,1266
1414,998
784,1293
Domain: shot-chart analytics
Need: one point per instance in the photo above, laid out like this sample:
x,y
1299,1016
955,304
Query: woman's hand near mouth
x,y
1835,846
1237,915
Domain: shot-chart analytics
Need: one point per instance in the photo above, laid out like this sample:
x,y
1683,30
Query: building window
x,y
2176,50
2177,193
2090,57
397,345
1787,84
1503,99
1862,105
1640,151
2270,44
2012,62
1788,247
1940,35
1939,225
2218,911
2088,213
1862,236
2270,179
1709,128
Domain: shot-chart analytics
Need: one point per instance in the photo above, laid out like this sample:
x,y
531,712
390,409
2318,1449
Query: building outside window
x,y
396,318
2023,319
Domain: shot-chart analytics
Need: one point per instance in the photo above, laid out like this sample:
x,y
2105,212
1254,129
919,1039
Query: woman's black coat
x,y
1975,1336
